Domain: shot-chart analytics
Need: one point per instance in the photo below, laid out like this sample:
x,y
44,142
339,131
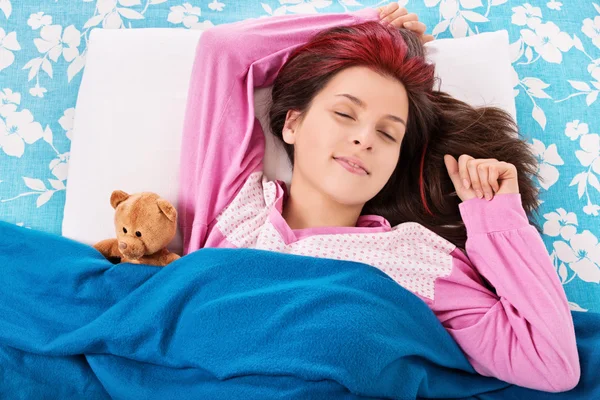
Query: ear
x,y
290,126
117,197
167,209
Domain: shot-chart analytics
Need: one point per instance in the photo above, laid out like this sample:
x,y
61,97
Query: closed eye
x,y
343,115
385,134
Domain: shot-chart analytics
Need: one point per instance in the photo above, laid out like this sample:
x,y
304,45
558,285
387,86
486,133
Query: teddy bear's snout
x,y
131,249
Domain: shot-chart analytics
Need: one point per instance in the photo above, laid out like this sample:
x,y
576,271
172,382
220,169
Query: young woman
x,y
376,180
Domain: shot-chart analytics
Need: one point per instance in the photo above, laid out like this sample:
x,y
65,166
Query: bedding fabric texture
x,y
555,48
73,325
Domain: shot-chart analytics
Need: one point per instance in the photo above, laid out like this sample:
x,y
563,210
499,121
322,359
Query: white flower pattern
x,y
56,42
554,5
561,223
185,14
37,20
591,28
37,90
576,129
590,153
547,159
582,254
527,15
188,15
17,129
8,44
66,121
548,41
9,102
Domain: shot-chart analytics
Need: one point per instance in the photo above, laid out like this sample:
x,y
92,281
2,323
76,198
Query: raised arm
x,y
223,142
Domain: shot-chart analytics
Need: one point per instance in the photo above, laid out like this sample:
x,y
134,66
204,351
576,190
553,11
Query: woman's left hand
x,y
481,177
399,17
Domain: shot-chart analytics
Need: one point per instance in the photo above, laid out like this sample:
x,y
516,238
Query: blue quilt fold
x,y
227,324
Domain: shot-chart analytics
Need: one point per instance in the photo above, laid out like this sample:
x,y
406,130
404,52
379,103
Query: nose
x,y
364,139
122,245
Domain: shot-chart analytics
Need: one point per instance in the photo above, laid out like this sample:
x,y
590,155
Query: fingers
x,y
395,13
480,174
399,17
493,178
462,170
452,167
416,26
483,173
474,178
427,38
387,10
481,177
412,23
401,21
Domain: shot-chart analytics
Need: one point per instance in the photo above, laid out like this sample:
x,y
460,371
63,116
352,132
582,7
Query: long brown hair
x,y
419,189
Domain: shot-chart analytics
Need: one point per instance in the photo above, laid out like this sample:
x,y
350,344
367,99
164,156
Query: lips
x,y
352,165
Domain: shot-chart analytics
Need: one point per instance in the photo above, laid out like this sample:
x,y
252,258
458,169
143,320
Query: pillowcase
x,y
476,69
131,105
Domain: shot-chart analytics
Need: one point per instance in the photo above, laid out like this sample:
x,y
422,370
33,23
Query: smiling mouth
x,y
351,167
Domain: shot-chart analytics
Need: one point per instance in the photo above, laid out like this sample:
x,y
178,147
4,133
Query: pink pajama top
x,y
503,303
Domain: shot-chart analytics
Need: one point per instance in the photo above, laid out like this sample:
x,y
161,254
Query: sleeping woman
x,y
387,171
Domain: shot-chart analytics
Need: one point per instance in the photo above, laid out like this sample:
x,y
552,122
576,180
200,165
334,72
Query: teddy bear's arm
x,y
172,257
160,258
109,249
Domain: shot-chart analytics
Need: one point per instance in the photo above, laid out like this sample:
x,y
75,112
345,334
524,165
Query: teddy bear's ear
x,y
117,197
167,209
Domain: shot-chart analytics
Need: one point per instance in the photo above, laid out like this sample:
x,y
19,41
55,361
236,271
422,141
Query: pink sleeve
x,y
223,143
504,304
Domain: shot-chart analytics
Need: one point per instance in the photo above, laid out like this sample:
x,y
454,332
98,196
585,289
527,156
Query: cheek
x,y
316,140
388,162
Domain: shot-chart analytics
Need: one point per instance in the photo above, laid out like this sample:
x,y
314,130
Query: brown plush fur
x,y
150,223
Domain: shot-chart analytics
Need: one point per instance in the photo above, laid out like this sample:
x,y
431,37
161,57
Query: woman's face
x,y
328,145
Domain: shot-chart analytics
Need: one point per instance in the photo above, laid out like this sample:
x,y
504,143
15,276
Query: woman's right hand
x,y
400,18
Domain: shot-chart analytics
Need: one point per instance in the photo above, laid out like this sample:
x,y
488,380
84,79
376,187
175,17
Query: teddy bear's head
x,y
144,223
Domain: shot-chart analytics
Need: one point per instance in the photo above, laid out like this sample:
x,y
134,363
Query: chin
x,y
350,197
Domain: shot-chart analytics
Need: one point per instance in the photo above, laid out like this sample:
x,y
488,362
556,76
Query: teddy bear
x,y
145,224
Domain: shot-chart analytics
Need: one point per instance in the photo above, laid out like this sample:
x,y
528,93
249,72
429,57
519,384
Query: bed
x,y
554,50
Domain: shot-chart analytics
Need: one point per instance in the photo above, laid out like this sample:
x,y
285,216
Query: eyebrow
x,y
362,104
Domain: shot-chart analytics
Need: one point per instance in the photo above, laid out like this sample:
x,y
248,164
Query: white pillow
x,y
131,105
476,69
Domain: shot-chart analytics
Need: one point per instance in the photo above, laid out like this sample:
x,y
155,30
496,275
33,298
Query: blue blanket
x,y
229,323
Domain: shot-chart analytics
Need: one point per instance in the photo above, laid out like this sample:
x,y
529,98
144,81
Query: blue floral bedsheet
x,y
555,55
